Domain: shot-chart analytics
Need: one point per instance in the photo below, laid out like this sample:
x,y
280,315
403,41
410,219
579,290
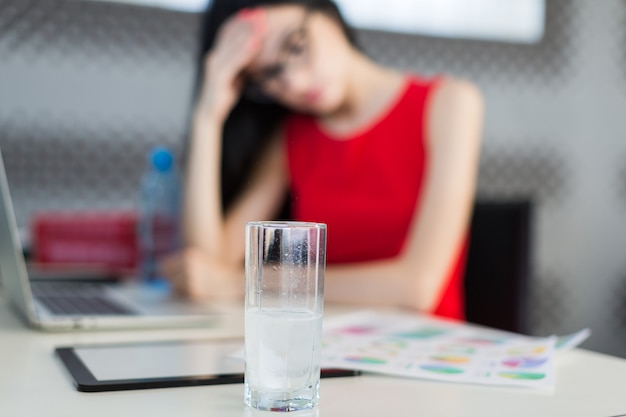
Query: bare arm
x,y
211,264
203,222
219,235
202,275
416,278
205,226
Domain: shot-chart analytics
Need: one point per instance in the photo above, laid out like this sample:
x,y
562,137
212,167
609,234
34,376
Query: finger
x,y
258,20
256,16
173,269
236,26
195,282
169,265
232,56
244,29
179,285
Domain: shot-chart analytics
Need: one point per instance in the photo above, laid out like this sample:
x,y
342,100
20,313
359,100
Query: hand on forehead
x,y
256,16
270,27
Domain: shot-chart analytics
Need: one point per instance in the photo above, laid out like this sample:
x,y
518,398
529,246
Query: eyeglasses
x,y
294,53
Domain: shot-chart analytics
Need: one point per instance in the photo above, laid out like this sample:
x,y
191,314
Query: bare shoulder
x,y
456,93
455,112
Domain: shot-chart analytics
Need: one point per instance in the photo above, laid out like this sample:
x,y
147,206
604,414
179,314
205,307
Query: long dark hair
x,y
251,123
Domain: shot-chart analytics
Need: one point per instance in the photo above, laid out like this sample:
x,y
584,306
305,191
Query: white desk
x,y
34,383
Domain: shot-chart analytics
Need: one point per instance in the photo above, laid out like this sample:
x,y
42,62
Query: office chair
x,y
498,265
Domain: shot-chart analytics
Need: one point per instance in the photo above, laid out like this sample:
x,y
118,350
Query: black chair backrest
x,y
498,265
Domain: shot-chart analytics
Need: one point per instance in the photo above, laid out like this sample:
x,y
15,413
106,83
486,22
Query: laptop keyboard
x,y
76,299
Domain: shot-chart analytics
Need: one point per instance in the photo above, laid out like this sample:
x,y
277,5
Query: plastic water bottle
x,y
159,213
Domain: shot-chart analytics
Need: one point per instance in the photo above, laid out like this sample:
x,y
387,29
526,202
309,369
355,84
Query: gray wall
x,y
86,88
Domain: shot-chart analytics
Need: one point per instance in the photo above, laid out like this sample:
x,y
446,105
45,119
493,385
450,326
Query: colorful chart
x,y
358,330
365,360
424,333
458,349
451,359
523,375
425,347
391,344
441,369
528,350
482,341
524,362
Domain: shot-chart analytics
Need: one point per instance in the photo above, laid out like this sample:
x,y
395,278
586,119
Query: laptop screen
x,y
12,265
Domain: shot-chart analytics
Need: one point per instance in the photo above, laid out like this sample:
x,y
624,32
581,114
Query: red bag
x,y
101,239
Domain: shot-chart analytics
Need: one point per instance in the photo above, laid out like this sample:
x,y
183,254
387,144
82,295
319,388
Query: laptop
x,y
66,303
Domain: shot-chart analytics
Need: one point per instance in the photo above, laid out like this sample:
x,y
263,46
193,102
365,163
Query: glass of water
x,y
285,264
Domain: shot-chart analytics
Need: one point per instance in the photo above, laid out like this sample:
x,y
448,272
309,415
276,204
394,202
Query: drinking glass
x,y
285,264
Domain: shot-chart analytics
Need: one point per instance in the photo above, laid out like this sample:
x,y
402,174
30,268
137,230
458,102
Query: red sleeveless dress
x,y
366,186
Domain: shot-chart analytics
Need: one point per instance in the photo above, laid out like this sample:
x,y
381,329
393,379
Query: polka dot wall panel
x,y
540,175
95,33
67,149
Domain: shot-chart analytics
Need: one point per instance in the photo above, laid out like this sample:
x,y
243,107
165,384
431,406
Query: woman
x,y
290,105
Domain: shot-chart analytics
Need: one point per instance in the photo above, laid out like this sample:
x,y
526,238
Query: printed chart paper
x,y
426,347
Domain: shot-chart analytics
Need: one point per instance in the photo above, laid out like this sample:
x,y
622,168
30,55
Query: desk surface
x,y
33,382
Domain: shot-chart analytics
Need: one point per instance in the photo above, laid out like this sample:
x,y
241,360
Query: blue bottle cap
x,y
161,159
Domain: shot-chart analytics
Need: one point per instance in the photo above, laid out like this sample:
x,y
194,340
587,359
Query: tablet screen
x,y
161,360
131,366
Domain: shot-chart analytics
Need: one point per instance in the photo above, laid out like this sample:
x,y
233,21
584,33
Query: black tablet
x,y
130,366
